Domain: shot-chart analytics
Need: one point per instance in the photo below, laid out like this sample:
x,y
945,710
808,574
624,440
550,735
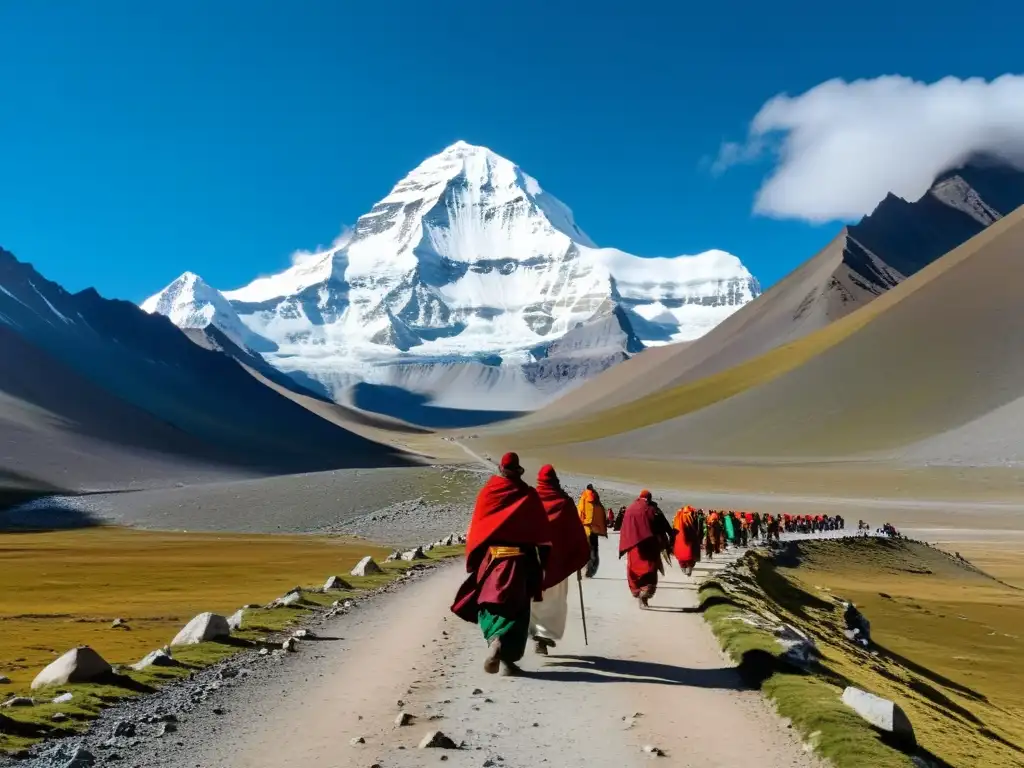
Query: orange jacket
x,y
592,513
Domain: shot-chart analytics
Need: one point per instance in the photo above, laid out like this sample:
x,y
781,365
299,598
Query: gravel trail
x,y
577,708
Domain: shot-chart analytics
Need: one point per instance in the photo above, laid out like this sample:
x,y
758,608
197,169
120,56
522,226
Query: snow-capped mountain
x,y
467,260
189,302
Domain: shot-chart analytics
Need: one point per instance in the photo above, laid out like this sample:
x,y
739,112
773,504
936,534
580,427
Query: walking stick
x,y
583,610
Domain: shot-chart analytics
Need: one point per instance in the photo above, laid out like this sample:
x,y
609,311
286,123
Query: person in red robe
x,y
686,546
646,534
570,553
506,550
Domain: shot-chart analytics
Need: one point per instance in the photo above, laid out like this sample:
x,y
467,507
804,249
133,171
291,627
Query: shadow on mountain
x,y
416,409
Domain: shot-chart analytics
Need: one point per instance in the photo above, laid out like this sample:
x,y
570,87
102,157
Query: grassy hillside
x,y
947,646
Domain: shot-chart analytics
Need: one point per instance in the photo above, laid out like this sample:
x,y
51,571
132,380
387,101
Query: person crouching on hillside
x,y
646,534
570,553
506,550
593,517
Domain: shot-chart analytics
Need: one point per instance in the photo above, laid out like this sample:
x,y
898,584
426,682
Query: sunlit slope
x,y
937,351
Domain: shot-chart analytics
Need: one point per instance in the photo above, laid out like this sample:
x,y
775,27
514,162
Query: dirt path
x,y
571,709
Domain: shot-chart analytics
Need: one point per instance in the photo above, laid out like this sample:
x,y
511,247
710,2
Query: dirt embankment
x,y
946,639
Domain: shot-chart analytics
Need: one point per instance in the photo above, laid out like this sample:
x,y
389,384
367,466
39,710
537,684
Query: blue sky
x,y
138,140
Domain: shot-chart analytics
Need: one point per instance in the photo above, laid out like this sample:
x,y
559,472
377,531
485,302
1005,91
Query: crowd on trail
x,y
524,545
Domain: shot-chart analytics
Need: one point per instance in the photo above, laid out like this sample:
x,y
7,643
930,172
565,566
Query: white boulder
x,y
881,713
204,627
79,665
158,658
336,582
235,620
414,554
367,567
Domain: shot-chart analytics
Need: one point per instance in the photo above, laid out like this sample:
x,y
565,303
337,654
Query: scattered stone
x,y
203,628
288,600
300,634
347,604
650,749
235,620
228,673
166,728
124,729
477,691
19,701
119,624
414,554
64,698
219,711
437,740
395,555
336,582
290,645
357,740
4,680
404,718
158,658
264,651
78,757
881,713
79,665
59,717
366,567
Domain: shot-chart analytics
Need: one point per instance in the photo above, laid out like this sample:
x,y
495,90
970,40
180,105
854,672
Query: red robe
x,y
570,549
686,546
644,537
507,513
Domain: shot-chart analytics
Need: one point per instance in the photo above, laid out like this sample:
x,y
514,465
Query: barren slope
x,y
894,242
938,351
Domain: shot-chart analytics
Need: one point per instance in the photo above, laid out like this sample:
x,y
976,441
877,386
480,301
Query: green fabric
x,y
514,632
730,528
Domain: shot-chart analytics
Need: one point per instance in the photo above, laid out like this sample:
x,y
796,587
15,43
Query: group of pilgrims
x,y
525,544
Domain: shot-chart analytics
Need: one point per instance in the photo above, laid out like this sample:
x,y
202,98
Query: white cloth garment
x,y
547,618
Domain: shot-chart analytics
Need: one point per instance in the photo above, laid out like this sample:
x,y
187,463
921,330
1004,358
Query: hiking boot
x,y
493,660
540,647
643,601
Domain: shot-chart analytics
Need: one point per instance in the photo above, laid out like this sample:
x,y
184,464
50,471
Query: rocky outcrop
x,y
366,567
79,665
203,628
883,714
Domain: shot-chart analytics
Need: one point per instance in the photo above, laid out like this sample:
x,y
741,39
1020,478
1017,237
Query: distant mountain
x,y
864,261
98,392
466,262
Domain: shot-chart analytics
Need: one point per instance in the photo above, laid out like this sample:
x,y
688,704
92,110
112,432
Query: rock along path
x,y
654,677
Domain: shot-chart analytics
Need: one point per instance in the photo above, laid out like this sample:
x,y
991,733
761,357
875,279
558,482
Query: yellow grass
x,y
62,589
949,639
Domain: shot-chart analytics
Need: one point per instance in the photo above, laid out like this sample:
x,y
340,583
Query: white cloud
x,y
841,147
302,257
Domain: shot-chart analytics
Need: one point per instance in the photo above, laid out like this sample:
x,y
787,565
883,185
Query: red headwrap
x,y
570,550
